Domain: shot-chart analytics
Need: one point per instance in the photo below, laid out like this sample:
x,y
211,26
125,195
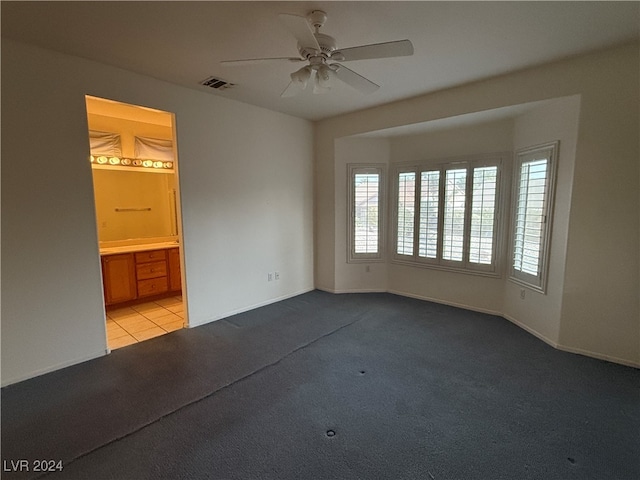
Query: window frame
x,y
470,163
352,170
539,281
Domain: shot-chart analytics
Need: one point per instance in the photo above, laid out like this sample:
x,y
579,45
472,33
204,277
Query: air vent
x,y
217,83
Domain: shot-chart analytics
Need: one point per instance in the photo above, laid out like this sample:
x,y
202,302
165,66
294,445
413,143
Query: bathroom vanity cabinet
x,y
119,278
140,275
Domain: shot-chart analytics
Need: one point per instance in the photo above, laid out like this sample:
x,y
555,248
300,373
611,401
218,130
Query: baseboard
x,y
530,330
353,290
251,307
444,302
53,368
599,356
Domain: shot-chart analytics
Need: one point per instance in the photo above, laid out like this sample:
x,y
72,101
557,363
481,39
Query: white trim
x,y
446,268
251,307
599,356
530,330
353,290
526,328
577,351
470,163
536,282
353,169
53,368
446,302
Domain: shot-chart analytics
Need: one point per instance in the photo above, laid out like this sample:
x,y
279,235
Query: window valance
x,y
105,143
154,149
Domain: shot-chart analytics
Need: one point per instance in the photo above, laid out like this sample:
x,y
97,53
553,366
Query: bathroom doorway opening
x,y
134,167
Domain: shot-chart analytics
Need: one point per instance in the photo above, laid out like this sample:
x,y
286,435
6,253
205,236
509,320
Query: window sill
x,y
445,268
528,285
366,260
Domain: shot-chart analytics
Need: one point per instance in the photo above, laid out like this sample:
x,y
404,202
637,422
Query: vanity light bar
x,y
127,162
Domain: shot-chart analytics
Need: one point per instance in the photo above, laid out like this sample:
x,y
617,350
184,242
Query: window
x,y
365,212
406,212
446,215
533,190
455,196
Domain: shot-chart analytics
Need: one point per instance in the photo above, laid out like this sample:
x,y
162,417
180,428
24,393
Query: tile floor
x,y
144,321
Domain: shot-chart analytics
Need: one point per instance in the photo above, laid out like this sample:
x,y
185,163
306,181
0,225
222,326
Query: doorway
x,y
135,182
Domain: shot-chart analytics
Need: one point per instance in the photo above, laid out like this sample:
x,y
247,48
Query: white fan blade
x,y
400,48
254,61
300,28
354,79
293,89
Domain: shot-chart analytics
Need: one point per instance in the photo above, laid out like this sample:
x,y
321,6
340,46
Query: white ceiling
x,y
454,42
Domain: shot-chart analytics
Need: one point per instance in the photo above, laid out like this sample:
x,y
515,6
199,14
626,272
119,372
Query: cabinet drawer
x,y
150,256
152,286
151,270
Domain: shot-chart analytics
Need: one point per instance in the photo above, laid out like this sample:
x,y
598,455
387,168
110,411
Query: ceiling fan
x,y
322,55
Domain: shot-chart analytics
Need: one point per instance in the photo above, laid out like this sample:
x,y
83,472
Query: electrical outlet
x,y
270,277
522,293
276,275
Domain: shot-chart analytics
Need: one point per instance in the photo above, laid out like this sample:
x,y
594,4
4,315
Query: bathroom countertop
x,y
137,248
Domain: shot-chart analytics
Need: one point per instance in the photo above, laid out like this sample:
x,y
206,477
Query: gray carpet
x,y
333,387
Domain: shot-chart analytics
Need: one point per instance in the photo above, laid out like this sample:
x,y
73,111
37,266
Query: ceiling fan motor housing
x,y
327,47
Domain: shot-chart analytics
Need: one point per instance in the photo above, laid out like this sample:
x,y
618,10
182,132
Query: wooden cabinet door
x,y
175,279
119,277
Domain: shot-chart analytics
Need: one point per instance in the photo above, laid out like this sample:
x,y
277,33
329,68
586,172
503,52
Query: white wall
x,y
600,308
557,120
246,179
599,313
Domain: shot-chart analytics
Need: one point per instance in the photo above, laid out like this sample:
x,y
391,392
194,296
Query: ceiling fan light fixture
x,y
301,76
325,76
320,86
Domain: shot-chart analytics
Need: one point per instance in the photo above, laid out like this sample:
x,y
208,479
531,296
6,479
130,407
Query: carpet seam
x,y
204,397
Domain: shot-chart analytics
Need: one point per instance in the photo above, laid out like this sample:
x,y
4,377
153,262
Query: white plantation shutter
x,y
366,225
533,193
406,212
365,212
446,217
483,209
429,213
530,216
454,212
